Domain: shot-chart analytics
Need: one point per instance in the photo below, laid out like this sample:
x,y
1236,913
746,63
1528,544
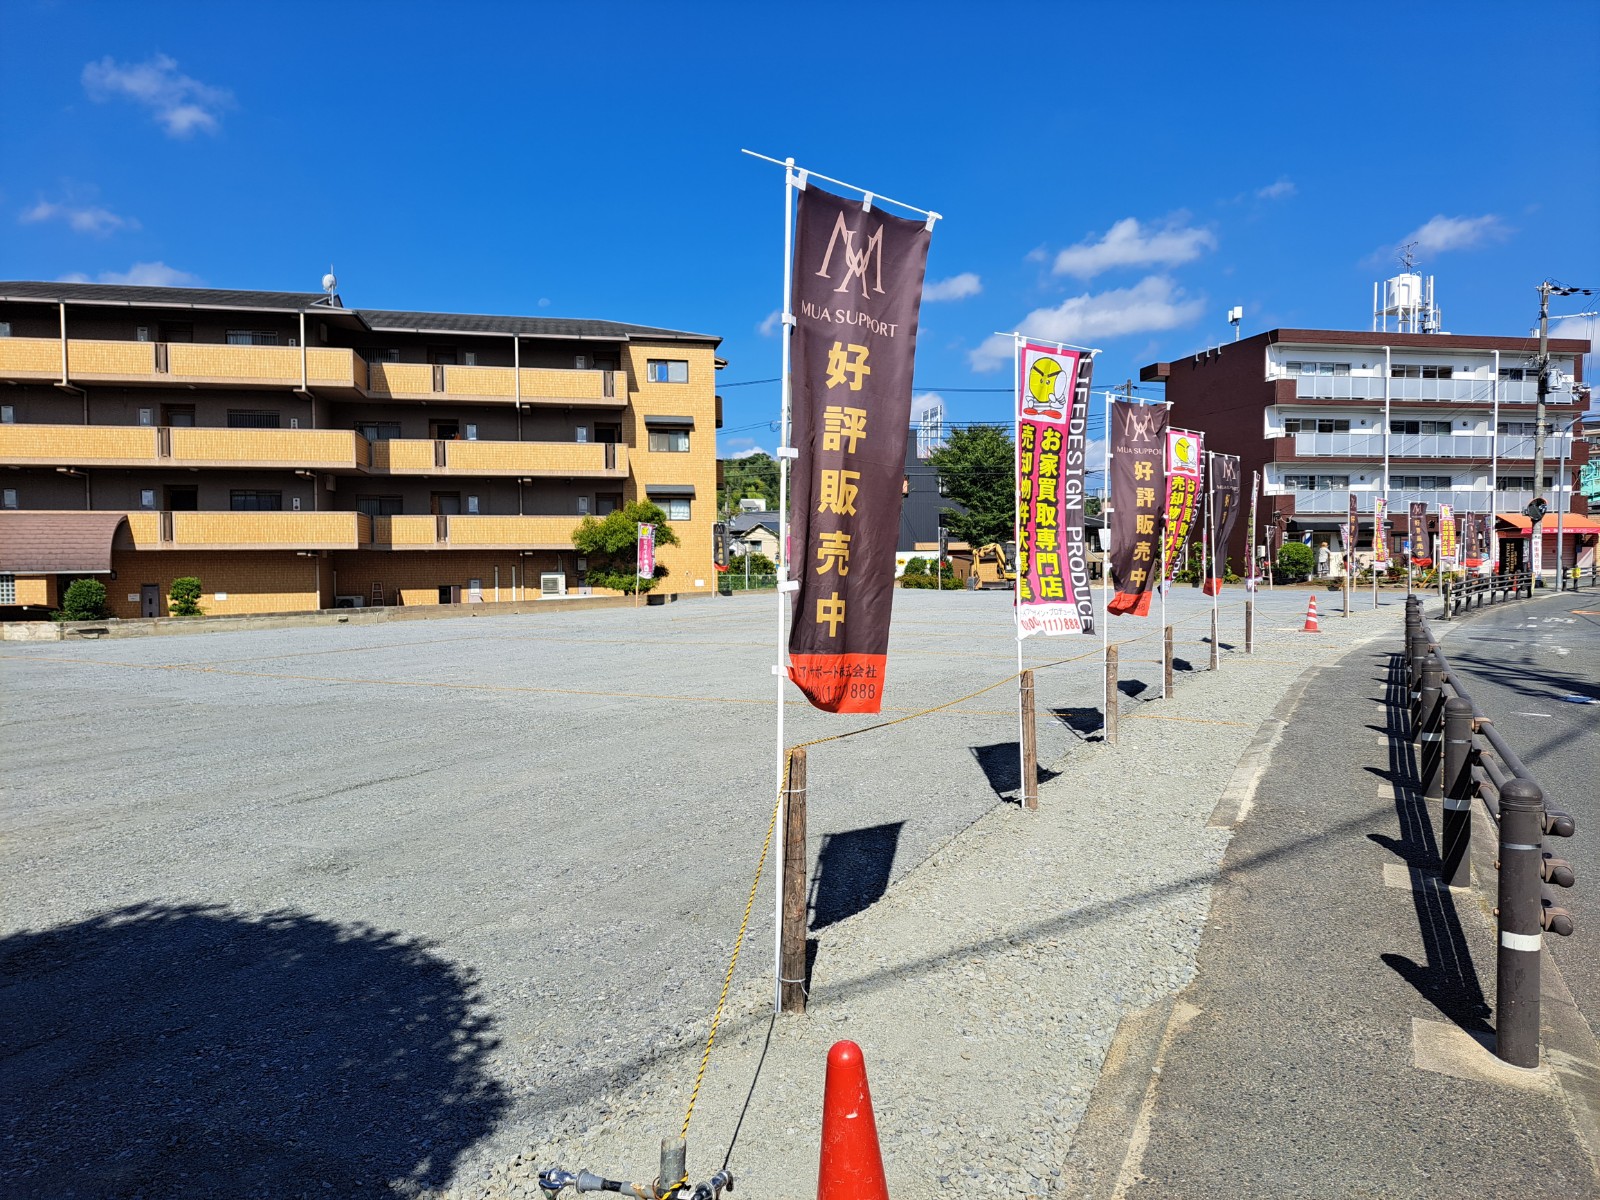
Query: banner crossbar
x,y
1012,333
869,196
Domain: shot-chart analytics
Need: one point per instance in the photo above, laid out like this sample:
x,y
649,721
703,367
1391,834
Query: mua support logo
x,y
857,261
1141,423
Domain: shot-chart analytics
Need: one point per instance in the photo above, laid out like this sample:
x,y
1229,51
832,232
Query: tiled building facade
x,y
295,454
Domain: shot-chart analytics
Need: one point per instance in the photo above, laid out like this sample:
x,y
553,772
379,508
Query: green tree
x,y
978,467
84,600
185,596
753,477
612,545
1296,560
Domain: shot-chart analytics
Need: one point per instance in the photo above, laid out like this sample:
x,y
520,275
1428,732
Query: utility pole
x,y
1545,289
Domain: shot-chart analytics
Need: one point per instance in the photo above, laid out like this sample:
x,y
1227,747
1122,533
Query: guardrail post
x,y
1455,861
1429,729
1416,656
1028,793
1112,696
1521,924
1166,659
792,958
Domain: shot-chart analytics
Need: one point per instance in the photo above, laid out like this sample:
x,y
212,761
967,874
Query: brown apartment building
x,y
1433,417
295,454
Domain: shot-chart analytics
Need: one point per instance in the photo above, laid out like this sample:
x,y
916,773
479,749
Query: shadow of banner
x,y
190,1050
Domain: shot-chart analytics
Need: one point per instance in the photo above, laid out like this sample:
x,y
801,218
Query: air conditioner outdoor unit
x,y
349,601
552,585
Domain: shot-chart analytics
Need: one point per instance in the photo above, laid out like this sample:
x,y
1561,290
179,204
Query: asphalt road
x,y
1535,668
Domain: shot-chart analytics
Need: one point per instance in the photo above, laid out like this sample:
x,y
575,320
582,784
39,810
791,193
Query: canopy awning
x,y
1570,523
58,543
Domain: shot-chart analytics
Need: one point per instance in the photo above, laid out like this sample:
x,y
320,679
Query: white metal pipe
x,y
1494,460
1016,540
789,164
790,184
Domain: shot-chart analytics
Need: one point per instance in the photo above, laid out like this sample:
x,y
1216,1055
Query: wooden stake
x,y
1112,696
1249,626
1166,659
1215,658
793,956
1030,747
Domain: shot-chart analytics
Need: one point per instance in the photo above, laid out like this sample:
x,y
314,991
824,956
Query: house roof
x,y
58,543
376,319
745,522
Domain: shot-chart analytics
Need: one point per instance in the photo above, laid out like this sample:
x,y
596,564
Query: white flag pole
x,y
1016,554
1107,500
793,182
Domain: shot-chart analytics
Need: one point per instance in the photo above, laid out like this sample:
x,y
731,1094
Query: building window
x,y
581,434
607,502
1317,368
667,370
8,589
1517,373
472,504
256,501
583,506
1519,483
676,510
380,356
147,416
379,431
8,498
1420,371
1316,425
1316,483
8,415
141,333
147,498
1434,427
470,432
1412,483
5,328
469,358
253,418
1518,428
252,337
674,441
380,506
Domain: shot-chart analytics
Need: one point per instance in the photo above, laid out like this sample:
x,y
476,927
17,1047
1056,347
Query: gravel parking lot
x,y
361,910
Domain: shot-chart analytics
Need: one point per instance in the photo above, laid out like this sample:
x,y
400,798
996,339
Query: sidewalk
x,y
1324,1048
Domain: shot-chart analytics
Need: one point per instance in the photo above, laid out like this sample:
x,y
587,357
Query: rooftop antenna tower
x,y
1406,298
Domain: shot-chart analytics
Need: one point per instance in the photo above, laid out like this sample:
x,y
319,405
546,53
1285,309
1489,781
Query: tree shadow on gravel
x,y
189,1050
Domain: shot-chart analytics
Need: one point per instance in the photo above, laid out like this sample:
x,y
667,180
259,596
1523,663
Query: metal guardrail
x,y
1472,591
1461,755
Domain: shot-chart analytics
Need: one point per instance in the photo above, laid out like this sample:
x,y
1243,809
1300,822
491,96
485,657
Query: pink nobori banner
x,y
647,551
1053,594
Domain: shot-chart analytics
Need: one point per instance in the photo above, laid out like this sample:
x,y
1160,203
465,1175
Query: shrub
x,y
185,597
915,566
1296,560
85,600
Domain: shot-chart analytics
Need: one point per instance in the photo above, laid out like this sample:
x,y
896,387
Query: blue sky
x,y
1117,175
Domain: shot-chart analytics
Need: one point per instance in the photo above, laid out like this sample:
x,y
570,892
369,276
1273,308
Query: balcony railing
x,y
474,532
1337,500
1424,445
402,456
540,385
311,449
1371,387
77,445
250,530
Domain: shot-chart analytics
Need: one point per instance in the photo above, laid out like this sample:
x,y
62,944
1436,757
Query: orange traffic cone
x,y
1311,618
852,1164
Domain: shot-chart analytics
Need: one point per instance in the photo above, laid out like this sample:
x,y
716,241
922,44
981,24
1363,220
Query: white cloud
x,y
770,326
749,453
98,221
544,301
1129,244
1456,233
146,274
1095,455
957,287
181,105
1154,303
1280,189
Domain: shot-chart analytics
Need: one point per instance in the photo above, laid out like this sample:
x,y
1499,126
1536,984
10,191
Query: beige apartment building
x,y
295,454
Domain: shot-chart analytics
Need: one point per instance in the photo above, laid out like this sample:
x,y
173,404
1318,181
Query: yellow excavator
x,y
993,568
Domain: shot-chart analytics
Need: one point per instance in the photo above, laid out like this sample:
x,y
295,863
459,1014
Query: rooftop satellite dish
x,y
329,282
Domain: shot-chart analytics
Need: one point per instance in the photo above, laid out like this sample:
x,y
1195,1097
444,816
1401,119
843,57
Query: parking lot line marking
x,y
1186,720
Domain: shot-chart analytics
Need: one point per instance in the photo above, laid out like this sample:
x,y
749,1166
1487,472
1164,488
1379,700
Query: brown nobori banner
x,y
1138,480
1418,531
1222,511
857,291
